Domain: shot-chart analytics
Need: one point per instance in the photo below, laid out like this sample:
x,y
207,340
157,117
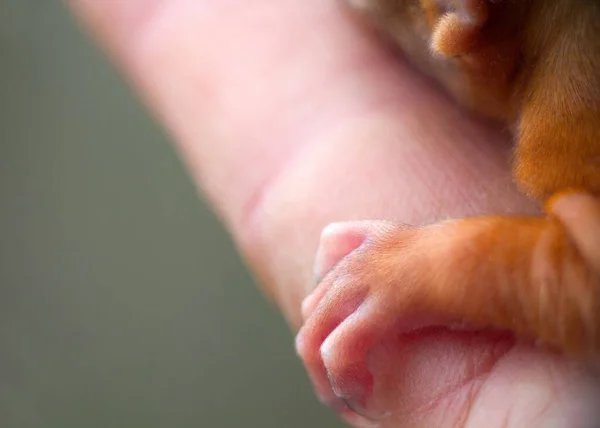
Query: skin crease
x,y
533,64
358,135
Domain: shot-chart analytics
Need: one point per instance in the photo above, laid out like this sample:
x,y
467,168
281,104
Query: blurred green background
x,y
122,300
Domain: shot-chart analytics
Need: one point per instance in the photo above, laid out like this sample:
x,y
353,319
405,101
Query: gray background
x,y
122,301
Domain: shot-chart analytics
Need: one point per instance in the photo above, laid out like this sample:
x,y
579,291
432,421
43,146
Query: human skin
x,y
290,115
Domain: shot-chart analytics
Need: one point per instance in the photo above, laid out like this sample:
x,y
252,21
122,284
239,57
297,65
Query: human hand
x,y
289,115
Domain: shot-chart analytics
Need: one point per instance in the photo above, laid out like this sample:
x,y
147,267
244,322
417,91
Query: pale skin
x,y
297,118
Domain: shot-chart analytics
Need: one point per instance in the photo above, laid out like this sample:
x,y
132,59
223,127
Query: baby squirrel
x,y
534,64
